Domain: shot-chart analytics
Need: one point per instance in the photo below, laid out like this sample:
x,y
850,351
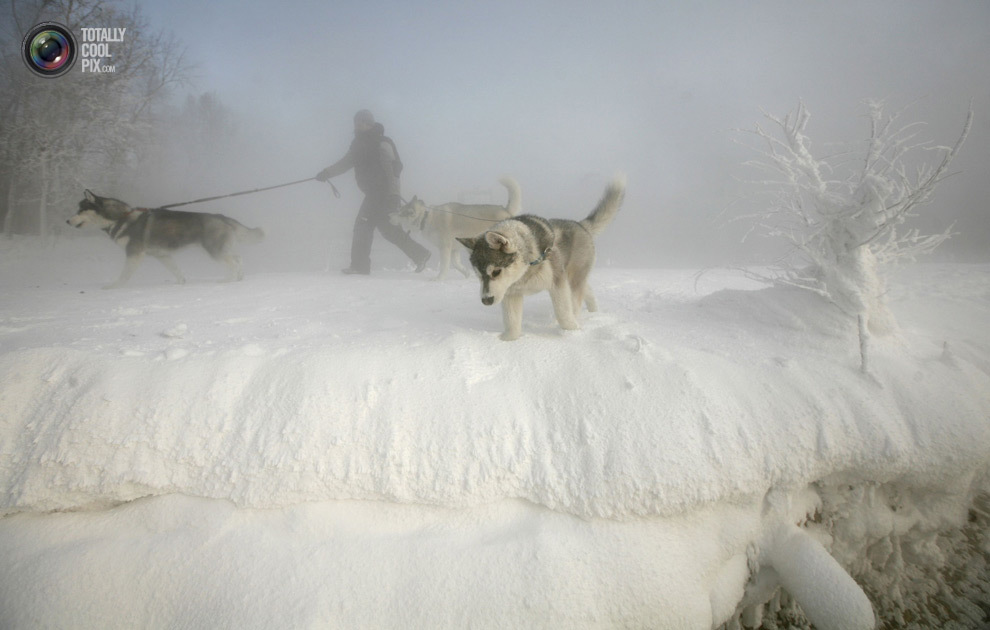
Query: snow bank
x,y
296,388
362,450
176,561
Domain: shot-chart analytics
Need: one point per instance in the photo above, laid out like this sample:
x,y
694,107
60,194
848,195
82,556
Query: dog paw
x,y
570,326
510,336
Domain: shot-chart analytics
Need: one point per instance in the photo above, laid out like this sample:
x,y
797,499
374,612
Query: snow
x,y
828,595
304,449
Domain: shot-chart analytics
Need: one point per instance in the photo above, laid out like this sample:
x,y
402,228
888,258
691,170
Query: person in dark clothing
x,y
376,165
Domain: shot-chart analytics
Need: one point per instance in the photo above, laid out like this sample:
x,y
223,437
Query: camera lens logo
x,y
49,49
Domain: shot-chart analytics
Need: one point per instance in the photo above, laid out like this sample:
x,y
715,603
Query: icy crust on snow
x,y
280,390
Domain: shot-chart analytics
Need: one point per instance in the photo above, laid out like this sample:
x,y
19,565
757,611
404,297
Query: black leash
x,y
248,192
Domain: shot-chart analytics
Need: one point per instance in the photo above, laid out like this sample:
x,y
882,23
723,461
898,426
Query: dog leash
x,y
456,214
249,192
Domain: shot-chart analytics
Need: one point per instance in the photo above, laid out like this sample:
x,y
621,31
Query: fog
x,y
561,95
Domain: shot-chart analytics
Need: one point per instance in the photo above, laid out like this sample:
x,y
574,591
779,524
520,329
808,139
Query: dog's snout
x,y
488,300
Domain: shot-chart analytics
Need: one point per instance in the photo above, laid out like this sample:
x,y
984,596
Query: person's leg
x,y
364,234
399,237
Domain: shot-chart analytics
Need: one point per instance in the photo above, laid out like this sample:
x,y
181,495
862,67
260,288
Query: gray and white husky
x,y
444,223
160,232
527,254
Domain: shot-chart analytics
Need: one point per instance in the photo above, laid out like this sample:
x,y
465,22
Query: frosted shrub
x,y
843,217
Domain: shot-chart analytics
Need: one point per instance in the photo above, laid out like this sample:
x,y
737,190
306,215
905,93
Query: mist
x,y
311,449
561,96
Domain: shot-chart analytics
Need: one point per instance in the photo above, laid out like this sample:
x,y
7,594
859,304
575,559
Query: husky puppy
x,y
161,232
442,224
527,254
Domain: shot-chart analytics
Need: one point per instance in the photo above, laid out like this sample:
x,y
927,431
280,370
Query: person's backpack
x,y
397,162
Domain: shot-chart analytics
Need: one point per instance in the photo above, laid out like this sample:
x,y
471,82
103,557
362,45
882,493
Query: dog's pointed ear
x,y
468,242
496,240
89,195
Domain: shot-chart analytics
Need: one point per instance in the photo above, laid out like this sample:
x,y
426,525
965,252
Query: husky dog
x,y
160,232
527,254
442,224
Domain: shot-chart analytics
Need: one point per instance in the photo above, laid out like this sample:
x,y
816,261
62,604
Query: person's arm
x,y
387,157
340,167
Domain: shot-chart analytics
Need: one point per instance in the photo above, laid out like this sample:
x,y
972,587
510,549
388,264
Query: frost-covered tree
x,y
58,136
844,216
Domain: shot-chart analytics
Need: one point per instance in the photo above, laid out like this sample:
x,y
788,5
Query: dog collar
x,y
121,223
547,228
542,257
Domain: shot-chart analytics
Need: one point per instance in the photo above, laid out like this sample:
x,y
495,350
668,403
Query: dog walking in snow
x,y
160,232
444,223
527,254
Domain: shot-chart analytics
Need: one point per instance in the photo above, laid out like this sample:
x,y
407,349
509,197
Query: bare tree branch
x,y
843,230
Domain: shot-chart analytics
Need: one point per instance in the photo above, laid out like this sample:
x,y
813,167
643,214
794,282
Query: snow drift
x,y
305,450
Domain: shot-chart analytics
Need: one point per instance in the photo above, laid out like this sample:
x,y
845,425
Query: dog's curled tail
x,y
603,214
514,204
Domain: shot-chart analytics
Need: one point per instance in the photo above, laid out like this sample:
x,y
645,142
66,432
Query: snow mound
x,y
673,443
649,412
